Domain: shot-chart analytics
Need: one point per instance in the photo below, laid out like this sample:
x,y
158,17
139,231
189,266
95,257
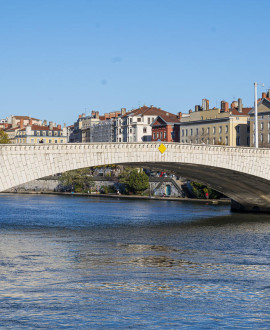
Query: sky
x,y
61,58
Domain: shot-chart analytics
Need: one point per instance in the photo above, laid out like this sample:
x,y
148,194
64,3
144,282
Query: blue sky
x,y
59,58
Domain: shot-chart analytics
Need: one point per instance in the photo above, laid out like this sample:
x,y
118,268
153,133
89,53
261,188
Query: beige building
x,y
224,126
263,121
41,134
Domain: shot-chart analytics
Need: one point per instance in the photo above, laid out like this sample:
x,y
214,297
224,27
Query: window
x,y
130,131
38,133
226,129
202,131
164,135
214,140
186,132
226,140
50,133
62,141
197,132
191,131
50,141
154,136
157,135
32,140
269,125
220,139
237,129
161,135
183,132
268,137
55,141
145,129
261,126
149,119
208,130
214,130
55,133
139,120
238,140
220,129
262,138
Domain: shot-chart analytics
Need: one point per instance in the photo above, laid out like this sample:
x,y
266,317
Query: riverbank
x,y
129,197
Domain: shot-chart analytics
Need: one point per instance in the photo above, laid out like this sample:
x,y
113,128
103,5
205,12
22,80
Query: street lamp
x,y
256,131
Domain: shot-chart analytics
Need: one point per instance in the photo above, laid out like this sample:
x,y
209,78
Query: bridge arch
x,y
242,174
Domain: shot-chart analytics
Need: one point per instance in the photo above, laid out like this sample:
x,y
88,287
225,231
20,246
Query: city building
x,y
136,125
41,134
226,126
263,108
165,128
94,128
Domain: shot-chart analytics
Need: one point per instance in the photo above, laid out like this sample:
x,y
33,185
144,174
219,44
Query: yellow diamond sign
x,y
162,148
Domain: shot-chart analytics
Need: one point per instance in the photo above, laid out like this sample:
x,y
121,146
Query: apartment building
x,y
224,125
44,133
136,125
166,128
263,108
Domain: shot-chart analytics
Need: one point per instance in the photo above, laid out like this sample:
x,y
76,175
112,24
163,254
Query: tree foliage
x,y
201,190
4,137
77,180
134,180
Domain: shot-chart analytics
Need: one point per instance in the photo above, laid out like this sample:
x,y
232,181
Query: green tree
x,y
200,191
134,180
4,137
79,180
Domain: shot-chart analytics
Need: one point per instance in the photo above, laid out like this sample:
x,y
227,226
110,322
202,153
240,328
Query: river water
x,y
97,263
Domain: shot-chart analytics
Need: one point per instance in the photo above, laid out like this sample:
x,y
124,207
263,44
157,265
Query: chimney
x,y
117,114
44,123
65,125
30,121
97,114
80,116
234,105
21,123
13,123
205,104
59,126
6,125
179,115
240,105
50,125
83,115
263,95
190,111
93,113
196,108
107,116
123,111
268,93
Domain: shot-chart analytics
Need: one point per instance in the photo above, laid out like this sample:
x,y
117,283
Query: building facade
x,y
32,134
224,126
263,108
166,128
136,125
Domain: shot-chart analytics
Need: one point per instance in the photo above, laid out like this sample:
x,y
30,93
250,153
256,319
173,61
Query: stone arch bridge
x,y
243,174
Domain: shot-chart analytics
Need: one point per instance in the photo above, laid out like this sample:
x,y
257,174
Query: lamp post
x,y
256,135
256,130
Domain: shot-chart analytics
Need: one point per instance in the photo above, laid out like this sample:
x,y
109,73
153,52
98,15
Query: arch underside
x,y
250,193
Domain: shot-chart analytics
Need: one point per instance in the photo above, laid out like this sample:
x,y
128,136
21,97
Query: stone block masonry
x,y
240,173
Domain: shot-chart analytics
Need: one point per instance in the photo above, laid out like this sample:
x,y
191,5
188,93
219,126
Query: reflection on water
x,y
97,263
